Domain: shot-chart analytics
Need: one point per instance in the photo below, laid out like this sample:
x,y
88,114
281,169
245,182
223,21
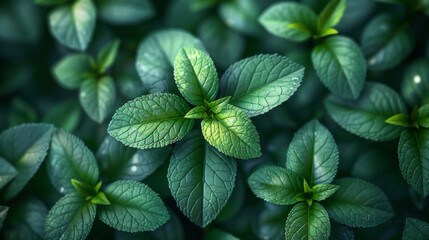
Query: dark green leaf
x,y
341,232
260,83
201,179
69,159
134,207
313,154
125,12
358,203
216,234
341,66
415,230
415,84
198,5
70,71
49,2
423,116
3,214
7,172
25,147
271,221
276,185
331,15
107,55
151,121
366,117
65,115
21,112
323,191
241,15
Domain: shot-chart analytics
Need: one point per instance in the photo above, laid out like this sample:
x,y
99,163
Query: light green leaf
x,y
241,15
7,172
196,76
97,97
341,66
358,203
232,133
156,55
151,121
289,20
87,191
3,214
218,105
276,185
323,191
69,159
401,119
366,117
413,153
73,24
423,116
70,218
386,42
107,55
313,154
199,112
125,12
100,199
308,222
117,161
331,15
25,147
415,230
415,84
65,115
134,207
327,32
260,83
71,70
201,179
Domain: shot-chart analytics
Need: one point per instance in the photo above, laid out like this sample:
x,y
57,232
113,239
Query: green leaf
x,y
49,2
151,121
134,207
73,24
270,222
323,191
232,133
386,42
100,199
331,15
7,172
216,234
328,32
196,76
358,203
241,15
199,112
289,20
70,71
313,154
97,97
3,214
21,112
156,55
70,218
69,159
413,153
260,83
87,191
200,178
415,84
125,12
415,230
107,55
276,185
218,105
308,222
25,147
117,161
423,118
401,119
341,66
366,117
65,115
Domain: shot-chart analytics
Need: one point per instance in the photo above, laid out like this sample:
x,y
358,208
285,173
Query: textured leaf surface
x,y
232,133
260,83
201,179
313,154
156,55
415,230
119,162
196,76
70,71
415,84
70,218
323,191
72,25
124,12
97,97
341,66
308,222
69,159
134,207
386,42
275,184
413,153
366,117
278,18
151,121
7,172
25,147
358,203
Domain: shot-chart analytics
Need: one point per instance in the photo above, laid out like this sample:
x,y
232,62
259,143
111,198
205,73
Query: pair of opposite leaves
x,y
249,88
